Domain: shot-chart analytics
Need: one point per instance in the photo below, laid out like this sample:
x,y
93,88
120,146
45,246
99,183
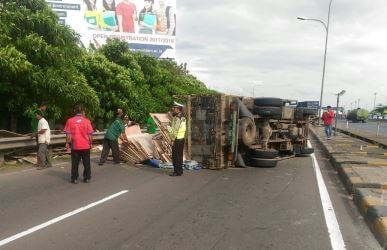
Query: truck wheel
x,y
299,150
266,101
269,112
307,151
264,154
263,163
247,131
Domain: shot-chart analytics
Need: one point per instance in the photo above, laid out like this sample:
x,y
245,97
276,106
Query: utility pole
x,y
358,103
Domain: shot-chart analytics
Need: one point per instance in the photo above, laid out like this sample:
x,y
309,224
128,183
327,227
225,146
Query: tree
x,y
37,57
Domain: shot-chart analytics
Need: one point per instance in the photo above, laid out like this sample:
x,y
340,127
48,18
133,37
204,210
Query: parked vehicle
x,y
358,115
227,131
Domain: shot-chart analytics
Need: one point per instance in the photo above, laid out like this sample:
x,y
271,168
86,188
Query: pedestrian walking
x,y
327,118
79,139
177,131
34,126
44,137
116,130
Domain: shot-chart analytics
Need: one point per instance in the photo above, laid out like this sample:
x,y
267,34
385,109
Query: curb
x,y
370,204
368,197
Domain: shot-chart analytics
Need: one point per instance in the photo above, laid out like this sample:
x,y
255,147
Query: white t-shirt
x,y
46,136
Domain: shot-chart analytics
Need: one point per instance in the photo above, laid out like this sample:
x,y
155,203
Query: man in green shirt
x,y
116,130
151,125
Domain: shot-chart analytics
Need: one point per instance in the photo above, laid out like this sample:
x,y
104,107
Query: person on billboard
x,y
126,15
166,19
108,20
91,14
147,18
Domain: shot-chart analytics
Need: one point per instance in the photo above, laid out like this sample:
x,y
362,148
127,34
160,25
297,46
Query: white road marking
x,y
337,241
57,219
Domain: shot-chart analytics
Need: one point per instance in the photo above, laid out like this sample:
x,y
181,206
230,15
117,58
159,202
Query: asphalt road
x,y
369,126
253,208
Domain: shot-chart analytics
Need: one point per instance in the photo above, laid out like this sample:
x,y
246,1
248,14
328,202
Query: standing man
x,y
327,118
79,133
44,136
116,129
34,126
126,15
177,134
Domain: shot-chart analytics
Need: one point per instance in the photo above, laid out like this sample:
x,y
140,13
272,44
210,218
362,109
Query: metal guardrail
x,y
25,142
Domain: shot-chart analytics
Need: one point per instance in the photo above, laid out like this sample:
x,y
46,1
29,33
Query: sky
x,y
245,46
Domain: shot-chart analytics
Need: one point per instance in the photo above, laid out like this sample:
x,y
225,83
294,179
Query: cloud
x,y
230,45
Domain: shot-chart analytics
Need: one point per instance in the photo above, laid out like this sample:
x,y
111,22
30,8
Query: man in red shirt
x,y
327,118
126,15
79,134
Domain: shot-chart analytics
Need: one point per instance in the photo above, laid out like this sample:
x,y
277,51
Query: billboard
x,y
148,26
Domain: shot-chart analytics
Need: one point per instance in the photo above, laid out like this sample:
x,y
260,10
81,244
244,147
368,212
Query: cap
x,y
176,104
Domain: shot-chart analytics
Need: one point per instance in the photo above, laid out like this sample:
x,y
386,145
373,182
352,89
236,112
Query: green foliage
x,y
42,60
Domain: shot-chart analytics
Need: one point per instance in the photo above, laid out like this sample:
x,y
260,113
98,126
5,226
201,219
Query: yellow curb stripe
x,y
380,227
370,201
378,163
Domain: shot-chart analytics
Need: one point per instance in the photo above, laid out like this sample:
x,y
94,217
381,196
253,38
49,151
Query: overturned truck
x,y
228,131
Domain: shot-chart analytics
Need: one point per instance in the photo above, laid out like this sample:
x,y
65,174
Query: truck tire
x,y
263,163
244,111
268,102
268,112
247,131
299,150
264,154
307,151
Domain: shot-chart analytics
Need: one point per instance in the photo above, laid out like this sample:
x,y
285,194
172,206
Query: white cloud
x,y
230,45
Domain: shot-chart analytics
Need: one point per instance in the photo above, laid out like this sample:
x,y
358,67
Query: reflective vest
x,y
178,133
182,129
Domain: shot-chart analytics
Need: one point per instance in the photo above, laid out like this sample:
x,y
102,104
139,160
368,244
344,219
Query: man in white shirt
x,y
44,136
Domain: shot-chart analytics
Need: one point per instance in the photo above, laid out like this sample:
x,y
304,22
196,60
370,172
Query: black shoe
x,y
100,164
74,181
86,180
173,174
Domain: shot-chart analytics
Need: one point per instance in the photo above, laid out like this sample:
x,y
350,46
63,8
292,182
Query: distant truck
x,y
358,115
227,131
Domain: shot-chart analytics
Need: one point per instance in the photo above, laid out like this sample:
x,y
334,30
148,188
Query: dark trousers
x,y
177,156
76,156
107,145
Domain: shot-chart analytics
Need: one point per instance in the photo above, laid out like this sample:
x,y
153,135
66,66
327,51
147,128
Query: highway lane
x,y
253,208
369,126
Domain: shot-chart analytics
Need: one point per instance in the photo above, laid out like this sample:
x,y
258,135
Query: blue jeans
x,y
328,130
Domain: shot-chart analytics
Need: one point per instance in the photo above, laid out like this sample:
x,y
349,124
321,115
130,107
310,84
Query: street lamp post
x,y
326,26
337,108
358,103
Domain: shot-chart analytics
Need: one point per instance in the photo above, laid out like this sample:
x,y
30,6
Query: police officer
x,y
177,131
